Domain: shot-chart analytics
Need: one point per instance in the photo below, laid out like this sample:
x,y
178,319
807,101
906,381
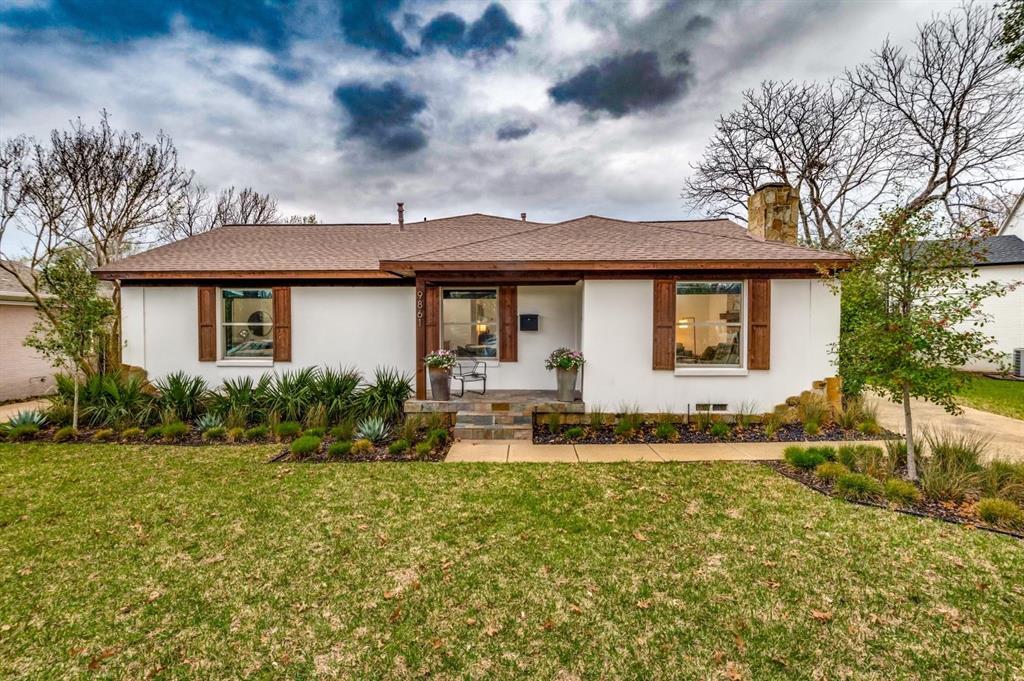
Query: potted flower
x,y
439,366
566,364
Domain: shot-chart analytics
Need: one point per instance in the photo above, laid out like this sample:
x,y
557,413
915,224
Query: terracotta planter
x,y
440,383
566,384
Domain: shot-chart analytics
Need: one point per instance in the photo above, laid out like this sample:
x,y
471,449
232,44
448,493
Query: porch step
x,y
493,418
470,431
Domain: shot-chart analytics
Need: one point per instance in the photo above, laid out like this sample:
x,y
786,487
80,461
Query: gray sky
x,y
555,108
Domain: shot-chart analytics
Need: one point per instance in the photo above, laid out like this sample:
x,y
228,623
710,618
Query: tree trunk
x,y
74,408
908,423
114,344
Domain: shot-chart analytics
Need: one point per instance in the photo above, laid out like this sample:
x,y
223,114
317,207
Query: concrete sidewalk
x,y
517,451
9,411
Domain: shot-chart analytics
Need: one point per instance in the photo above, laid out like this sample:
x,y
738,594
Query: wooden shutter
x,y
759,313
432,319
207,323
282,323
664,351
508,324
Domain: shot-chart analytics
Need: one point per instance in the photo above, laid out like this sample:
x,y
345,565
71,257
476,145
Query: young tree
x,y
79,317
1013,32
911,311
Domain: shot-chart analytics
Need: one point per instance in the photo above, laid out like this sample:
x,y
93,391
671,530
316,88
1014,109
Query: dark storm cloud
x,y
622,84
384,116
367,23
515,130
492,33
113,21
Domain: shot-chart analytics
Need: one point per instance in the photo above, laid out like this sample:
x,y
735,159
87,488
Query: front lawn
x,y
990,394
128,561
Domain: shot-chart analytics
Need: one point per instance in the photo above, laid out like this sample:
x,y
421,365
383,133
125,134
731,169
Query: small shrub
x,y
869,426
803,458
64,434
574,433
316,417
827,453
423,449
437,436
154,432
771,422
398,447
286,430
236,434
1001,513
702,420
315,432
129,434
208,421
175,430
362,447
666,431
103,435
596,417
720,429
554,422
1004,480
305,445
813,409
23,432
343,431
830,470
257,433
437,420
339,449
744,414
273,420
857,487
874,461
900,491
947,483
851,414
812,427
375,429
215,434
410,428
957,449
624,427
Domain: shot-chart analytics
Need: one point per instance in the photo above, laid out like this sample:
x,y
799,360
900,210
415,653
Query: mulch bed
x,y
790,432
192,439
380,453
958,514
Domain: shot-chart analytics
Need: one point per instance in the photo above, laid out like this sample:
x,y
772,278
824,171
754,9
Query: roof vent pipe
x,y
401,216
523,216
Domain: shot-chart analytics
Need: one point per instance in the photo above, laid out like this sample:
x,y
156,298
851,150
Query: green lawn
x,y
205,562
1000,397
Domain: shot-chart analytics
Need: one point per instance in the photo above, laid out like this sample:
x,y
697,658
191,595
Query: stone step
x,y
492,418
493,432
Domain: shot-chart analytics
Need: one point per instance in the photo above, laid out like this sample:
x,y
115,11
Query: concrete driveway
x,y
8,411
1007,434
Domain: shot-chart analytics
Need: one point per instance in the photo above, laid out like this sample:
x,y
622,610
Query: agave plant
x,y
185,394
28,417
387,395
338,391
375,429
207,421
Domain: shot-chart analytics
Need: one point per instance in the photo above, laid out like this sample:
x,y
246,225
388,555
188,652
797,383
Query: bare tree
x,y
199,213
942,125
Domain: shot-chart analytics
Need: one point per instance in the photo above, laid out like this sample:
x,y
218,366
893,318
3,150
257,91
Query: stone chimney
x,y
773,211
522,216
401,216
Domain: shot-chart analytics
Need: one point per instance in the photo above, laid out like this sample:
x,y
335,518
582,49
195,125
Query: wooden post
x,y
421,338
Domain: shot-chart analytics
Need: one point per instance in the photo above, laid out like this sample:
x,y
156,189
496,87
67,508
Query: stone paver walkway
x,y
517,451
1007,434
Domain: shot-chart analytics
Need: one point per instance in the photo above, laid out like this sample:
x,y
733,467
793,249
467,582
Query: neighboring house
x,y
668,314
23,372
1004,262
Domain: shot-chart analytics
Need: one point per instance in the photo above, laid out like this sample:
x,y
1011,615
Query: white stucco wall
x,y
361,326
1005,315
617,343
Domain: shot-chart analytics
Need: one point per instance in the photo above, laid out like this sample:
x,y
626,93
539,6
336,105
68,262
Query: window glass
x,y
469,322
708,323
247,323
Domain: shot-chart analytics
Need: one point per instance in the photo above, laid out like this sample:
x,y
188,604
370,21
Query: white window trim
x,y
710,369
489,361
223,361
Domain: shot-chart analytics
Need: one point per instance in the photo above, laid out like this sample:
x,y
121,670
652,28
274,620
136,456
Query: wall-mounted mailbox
x,y
529,322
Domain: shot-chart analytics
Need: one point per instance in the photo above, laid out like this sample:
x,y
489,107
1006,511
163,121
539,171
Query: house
x,y
1003,261
23,372
669,314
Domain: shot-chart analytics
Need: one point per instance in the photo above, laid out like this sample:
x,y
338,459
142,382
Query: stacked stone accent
x,y
773,212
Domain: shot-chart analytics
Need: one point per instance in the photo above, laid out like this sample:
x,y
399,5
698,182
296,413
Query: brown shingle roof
x,y
358,250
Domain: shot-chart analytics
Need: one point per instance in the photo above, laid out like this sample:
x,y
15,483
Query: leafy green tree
x,y
1012,14
911,311
79,317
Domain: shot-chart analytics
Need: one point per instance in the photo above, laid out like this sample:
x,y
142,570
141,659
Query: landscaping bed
x,y
953,485
648,433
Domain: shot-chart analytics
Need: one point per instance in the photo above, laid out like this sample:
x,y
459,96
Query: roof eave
x,y
407,268
175,275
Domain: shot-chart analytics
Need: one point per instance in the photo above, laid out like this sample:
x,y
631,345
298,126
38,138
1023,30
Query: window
x,y
709,323
469,322
247,323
